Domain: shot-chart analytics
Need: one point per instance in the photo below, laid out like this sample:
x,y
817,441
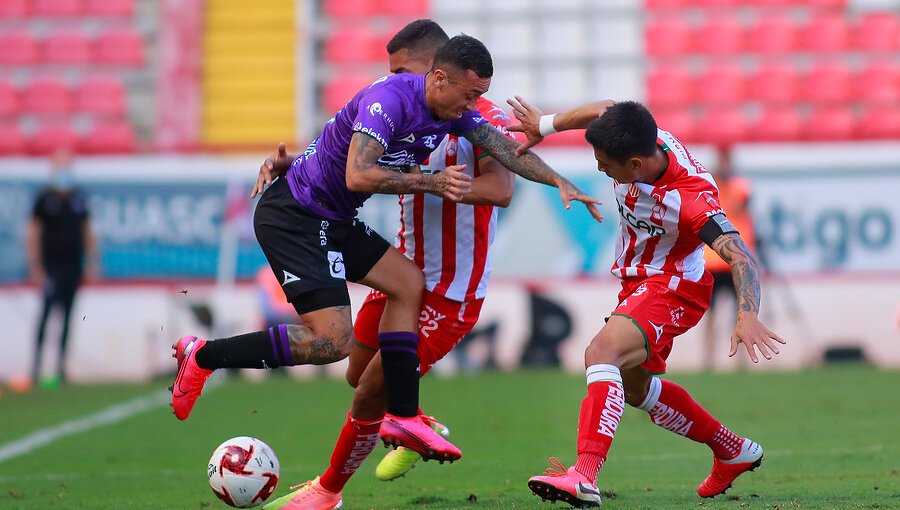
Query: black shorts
x,y
313,257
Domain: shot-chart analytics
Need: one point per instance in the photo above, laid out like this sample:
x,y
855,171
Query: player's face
x,y
621,172
404,61
456,92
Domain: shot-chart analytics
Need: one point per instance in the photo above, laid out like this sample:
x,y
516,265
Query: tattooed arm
x,y
748,329
365,176
529,166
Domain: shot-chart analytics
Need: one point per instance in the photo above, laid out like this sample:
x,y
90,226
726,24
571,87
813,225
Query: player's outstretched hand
x,y
755,336
569,192
529,118
451,183
274,166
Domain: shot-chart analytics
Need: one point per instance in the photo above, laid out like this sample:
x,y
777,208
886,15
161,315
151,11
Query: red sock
x,y
672,408
357,440
601,411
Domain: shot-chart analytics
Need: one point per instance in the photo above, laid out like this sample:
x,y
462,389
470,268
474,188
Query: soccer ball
x,y
243,472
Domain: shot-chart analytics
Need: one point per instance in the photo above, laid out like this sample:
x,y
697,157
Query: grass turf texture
x,y
829,435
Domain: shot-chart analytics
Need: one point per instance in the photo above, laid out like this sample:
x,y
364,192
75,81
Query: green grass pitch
x,y
830,437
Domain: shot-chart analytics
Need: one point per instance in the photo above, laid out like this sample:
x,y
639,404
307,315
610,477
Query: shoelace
x,y
305,485
557,468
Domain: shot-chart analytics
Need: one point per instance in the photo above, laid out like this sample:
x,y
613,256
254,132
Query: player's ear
x,y
440,77
635,163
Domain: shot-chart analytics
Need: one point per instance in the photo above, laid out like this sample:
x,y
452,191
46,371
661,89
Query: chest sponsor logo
x,y
399,160
639,223
336,265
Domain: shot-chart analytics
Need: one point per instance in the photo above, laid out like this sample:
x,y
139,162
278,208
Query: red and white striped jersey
x,y
451,241
660,222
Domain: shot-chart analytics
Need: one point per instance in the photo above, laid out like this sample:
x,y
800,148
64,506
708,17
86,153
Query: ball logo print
x,y
243,472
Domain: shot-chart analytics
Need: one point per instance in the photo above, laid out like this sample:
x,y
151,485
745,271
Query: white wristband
x,y
546,125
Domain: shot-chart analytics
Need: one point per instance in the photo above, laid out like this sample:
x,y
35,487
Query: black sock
x,y
260,349
400,363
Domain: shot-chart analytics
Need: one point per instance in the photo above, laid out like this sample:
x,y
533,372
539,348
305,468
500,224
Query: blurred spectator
x,y
734,197
60,252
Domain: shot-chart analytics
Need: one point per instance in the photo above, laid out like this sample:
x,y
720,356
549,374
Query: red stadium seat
x,y
678,121
880,123
71,8
828,82
826,33
777,124
417,8
9,99
67,47
831,123
723,126
47,95
12,141
353,44
719,35
123,8
771,3
666,4
51,137
772,34
830,5
721,84
669,85
348,8
101,96
341,89
11,9
668,37
879,82
121,46
717,4
774,82
18,47
877,31
109,137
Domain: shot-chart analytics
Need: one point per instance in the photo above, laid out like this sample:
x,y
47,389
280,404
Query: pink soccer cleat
x,y
559,483
190,379
415,434
307,496
724,472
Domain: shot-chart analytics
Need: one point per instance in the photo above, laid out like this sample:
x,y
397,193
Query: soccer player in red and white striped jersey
x,y
668,208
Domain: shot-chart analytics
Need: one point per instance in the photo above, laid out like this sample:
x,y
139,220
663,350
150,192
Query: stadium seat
x,y
101,95
717,4
825,33
9,99
341,88
878,82
47,95
678,121
12,141
12,9
120,46
826,5
777,124
348,8
722,126
668,37
880,123
772,34
669,85
18,47
774,82
67,47
666,4
71,8
406,8
877,31
353,44
123,8
831,123
109,137
827,82
52,136
719,35
771,3
721,83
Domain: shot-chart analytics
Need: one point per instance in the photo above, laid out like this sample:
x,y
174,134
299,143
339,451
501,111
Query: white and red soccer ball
x,y
243,472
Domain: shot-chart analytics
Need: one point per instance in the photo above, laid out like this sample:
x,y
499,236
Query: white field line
x,y
110,415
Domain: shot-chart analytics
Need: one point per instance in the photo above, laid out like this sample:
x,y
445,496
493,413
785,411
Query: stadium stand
x,y
48,95
67,47
101,96
18,47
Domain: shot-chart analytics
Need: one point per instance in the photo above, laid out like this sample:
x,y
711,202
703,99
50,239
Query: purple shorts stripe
x,y
286,358
273,336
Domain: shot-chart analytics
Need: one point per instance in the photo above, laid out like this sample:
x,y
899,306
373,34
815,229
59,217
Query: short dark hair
x,y
420,36
465,52
625,130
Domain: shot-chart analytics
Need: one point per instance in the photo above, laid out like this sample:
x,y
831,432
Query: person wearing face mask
x,y
61,252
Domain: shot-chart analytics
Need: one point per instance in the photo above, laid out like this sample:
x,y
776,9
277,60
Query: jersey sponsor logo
x,y
410,138
323,233
676,314
640,224
640,289
358,127
612,411
375,109
336,265
429,141
658,329
289,278
399,160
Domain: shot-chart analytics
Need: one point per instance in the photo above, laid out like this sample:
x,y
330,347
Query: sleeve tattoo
x,y
528,165
732,249
364,154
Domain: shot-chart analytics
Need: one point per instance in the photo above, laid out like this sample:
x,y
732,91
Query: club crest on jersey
x,y
659,209
452,146
633,190
676,314
429,141
336,265
640,290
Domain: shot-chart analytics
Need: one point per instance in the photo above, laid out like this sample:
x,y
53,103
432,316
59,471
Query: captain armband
x,y
717,225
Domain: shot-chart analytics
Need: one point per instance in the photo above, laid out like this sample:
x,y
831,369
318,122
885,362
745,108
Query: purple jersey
x,y
391,110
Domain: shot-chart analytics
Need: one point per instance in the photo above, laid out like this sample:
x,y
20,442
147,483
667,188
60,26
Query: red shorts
x,y
442,324
663,307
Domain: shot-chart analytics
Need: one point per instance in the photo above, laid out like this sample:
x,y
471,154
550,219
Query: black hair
x,y
467,53
420,36
625,130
